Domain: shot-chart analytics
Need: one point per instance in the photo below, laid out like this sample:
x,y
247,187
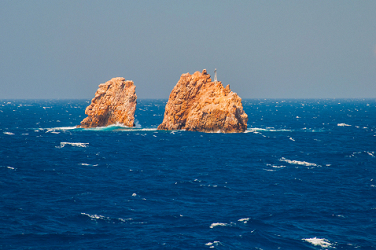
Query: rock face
x,y
198,104
114,103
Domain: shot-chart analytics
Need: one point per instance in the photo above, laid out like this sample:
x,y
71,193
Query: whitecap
x,y
219,224
124,220
270,170
117,126
109,127
134,194
292,139
275,166
87,164
370,153
60,128
318,242
94,216
145,129
8,133
245,220
343,125
269,129
73,144
212,244
304,163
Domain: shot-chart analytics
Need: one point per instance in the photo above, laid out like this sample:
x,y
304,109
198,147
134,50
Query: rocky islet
x,y
196,103
114,103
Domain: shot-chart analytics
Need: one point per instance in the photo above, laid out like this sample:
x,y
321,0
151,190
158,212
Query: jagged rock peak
x,y
114,103
197,103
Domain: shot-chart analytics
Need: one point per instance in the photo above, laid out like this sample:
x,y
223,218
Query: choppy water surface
x,y
303,176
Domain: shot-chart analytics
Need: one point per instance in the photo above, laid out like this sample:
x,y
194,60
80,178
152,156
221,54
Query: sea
x,y
302,176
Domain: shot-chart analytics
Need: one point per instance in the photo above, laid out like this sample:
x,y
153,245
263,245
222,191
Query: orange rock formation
x,y
198,104
114,103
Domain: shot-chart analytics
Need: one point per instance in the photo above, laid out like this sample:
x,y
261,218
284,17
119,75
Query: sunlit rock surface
x,y
114,103
198,104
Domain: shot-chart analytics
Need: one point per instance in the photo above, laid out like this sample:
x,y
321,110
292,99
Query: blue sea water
x,y
303,176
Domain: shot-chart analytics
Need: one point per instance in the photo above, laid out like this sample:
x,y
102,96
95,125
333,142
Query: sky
x,y
263,49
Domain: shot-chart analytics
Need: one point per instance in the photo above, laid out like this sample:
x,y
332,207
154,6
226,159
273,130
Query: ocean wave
x,y
108,128
51,130
220,224
117,127
275,166
271,129
87,164
8,133
94,216
101,217
9,167
73,144
244,220
343,125
270,170
318,242
252,130
304,163
370,153
213,244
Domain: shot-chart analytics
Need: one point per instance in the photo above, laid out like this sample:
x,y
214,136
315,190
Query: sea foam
x,y
219,224
212,244
252,130
343,125
244,220
73,144
87,164
94,216
304,163
275,166
318,242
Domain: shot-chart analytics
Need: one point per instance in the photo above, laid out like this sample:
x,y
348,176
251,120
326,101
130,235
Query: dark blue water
x,y
303,176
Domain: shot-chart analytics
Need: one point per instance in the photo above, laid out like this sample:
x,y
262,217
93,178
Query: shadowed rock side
x,y
114,103
198,104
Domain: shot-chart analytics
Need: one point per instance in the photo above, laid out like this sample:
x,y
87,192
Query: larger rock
x,y
198,104
114,103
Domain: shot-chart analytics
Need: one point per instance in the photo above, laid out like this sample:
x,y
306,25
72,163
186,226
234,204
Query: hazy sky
x,y
263,49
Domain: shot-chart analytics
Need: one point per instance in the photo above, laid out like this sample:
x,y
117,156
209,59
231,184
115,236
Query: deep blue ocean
x,y
303,176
